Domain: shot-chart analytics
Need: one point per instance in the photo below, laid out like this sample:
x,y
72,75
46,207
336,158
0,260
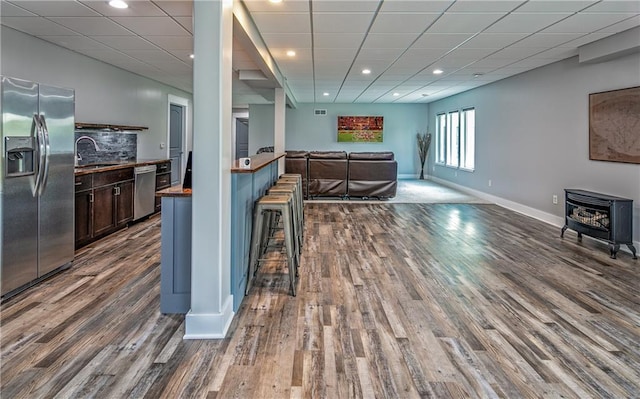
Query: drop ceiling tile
x,y
555,6
525,22
37,26
587,23
137,8
150,56
464,23
176,8
299,40
403,22
183,55
415,6
125,42
109,56
272,23
425,53
616,6
622,26
389,40
173,66
9,10
470,53
255,6
518,53
92,26
484,6
58,8
75,42
493,40
340,23
344,54
441,40
185,22
152,26
585,40
172,42
338,40
371,54
345,6
547,39
557,53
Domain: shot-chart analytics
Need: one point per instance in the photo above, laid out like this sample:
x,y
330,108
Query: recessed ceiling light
x,y
477,74
366,71
425,95
192,56
437,71
291,53
396,94
118,4
275,1
325,94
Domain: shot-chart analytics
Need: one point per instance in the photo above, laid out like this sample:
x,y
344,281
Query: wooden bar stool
x,y
262,215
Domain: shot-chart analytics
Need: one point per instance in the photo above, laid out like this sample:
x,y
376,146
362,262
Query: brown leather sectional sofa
x,y
338,174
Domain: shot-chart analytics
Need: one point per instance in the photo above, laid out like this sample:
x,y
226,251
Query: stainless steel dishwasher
x,y
144,194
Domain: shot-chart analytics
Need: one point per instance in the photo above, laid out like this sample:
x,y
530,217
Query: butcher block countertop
x,y
107,166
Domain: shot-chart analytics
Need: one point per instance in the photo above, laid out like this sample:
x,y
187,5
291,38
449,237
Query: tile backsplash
x,y
113,146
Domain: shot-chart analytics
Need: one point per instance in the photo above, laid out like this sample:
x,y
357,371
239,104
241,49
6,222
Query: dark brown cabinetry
x,y
104,203
163,180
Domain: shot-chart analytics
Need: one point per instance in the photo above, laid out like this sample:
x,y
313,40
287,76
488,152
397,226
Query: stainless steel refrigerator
x,y
37,183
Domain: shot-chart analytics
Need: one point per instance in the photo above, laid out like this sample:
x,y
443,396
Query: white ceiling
x,y
474,42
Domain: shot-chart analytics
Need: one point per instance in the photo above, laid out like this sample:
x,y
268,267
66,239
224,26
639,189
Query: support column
x,y
211,300
279,126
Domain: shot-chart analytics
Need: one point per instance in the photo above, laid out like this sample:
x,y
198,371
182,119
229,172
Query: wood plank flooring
x,y
394,301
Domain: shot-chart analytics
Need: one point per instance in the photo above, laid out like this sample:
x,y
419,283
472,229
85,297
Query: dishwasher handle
x,y
144,169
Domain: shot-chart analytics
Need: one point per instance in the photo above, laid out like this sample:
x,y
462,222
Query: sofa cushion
x,y
378,156
297,154
328,155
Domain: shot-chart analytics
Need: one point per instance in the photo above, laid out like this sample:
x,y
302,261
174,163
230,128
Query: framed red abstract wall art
x,y
360,129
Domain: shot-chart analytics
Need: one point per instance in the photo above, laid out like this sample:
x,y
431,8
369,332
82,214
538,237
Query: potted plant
x,y
424,142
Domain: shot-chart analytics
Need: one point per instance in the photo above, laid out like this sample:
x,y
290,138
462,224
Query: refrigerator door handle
x,y
36,131
47,151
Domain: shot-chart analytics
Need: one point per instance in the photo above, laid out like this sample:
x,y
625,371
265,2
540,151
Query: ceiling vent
x,y
319,112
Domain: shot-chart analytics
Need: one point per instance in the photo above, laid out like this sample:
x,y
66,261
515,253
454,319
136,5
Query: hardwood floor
x,y
394,301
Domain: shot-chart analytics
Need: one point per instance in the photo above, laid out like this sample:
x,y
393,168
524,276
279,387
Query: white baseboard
x,y
209,325
408,176
517,207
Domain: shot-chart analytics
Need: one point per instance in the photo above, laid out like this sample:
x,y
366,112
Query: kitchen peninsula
x,y
247,185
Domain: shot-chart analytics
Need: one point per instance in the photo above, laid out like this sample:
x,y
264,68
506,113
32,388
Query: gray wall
x,y
104,94
306,131
532,135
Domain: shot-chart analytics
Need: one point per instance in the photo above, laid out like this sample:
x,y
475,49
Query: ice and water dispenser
x,y
19,156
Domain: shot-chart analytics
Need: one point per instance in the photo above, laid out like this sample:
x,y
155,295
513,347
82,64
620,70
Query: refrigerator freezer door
x,y
56,211
19,206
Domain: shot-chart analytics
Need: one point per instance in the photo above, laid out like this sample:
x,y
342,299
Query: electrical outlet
x,y
162,146
489,183
555,199
455,174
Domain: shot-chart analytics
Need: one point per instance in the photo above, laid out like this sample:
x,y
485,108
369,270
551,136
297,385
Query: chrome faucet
x,y
75,148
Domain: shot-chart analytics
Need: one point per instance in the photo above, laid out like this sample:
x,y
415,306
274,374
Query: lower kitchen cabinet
x,y
163,180
104,204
